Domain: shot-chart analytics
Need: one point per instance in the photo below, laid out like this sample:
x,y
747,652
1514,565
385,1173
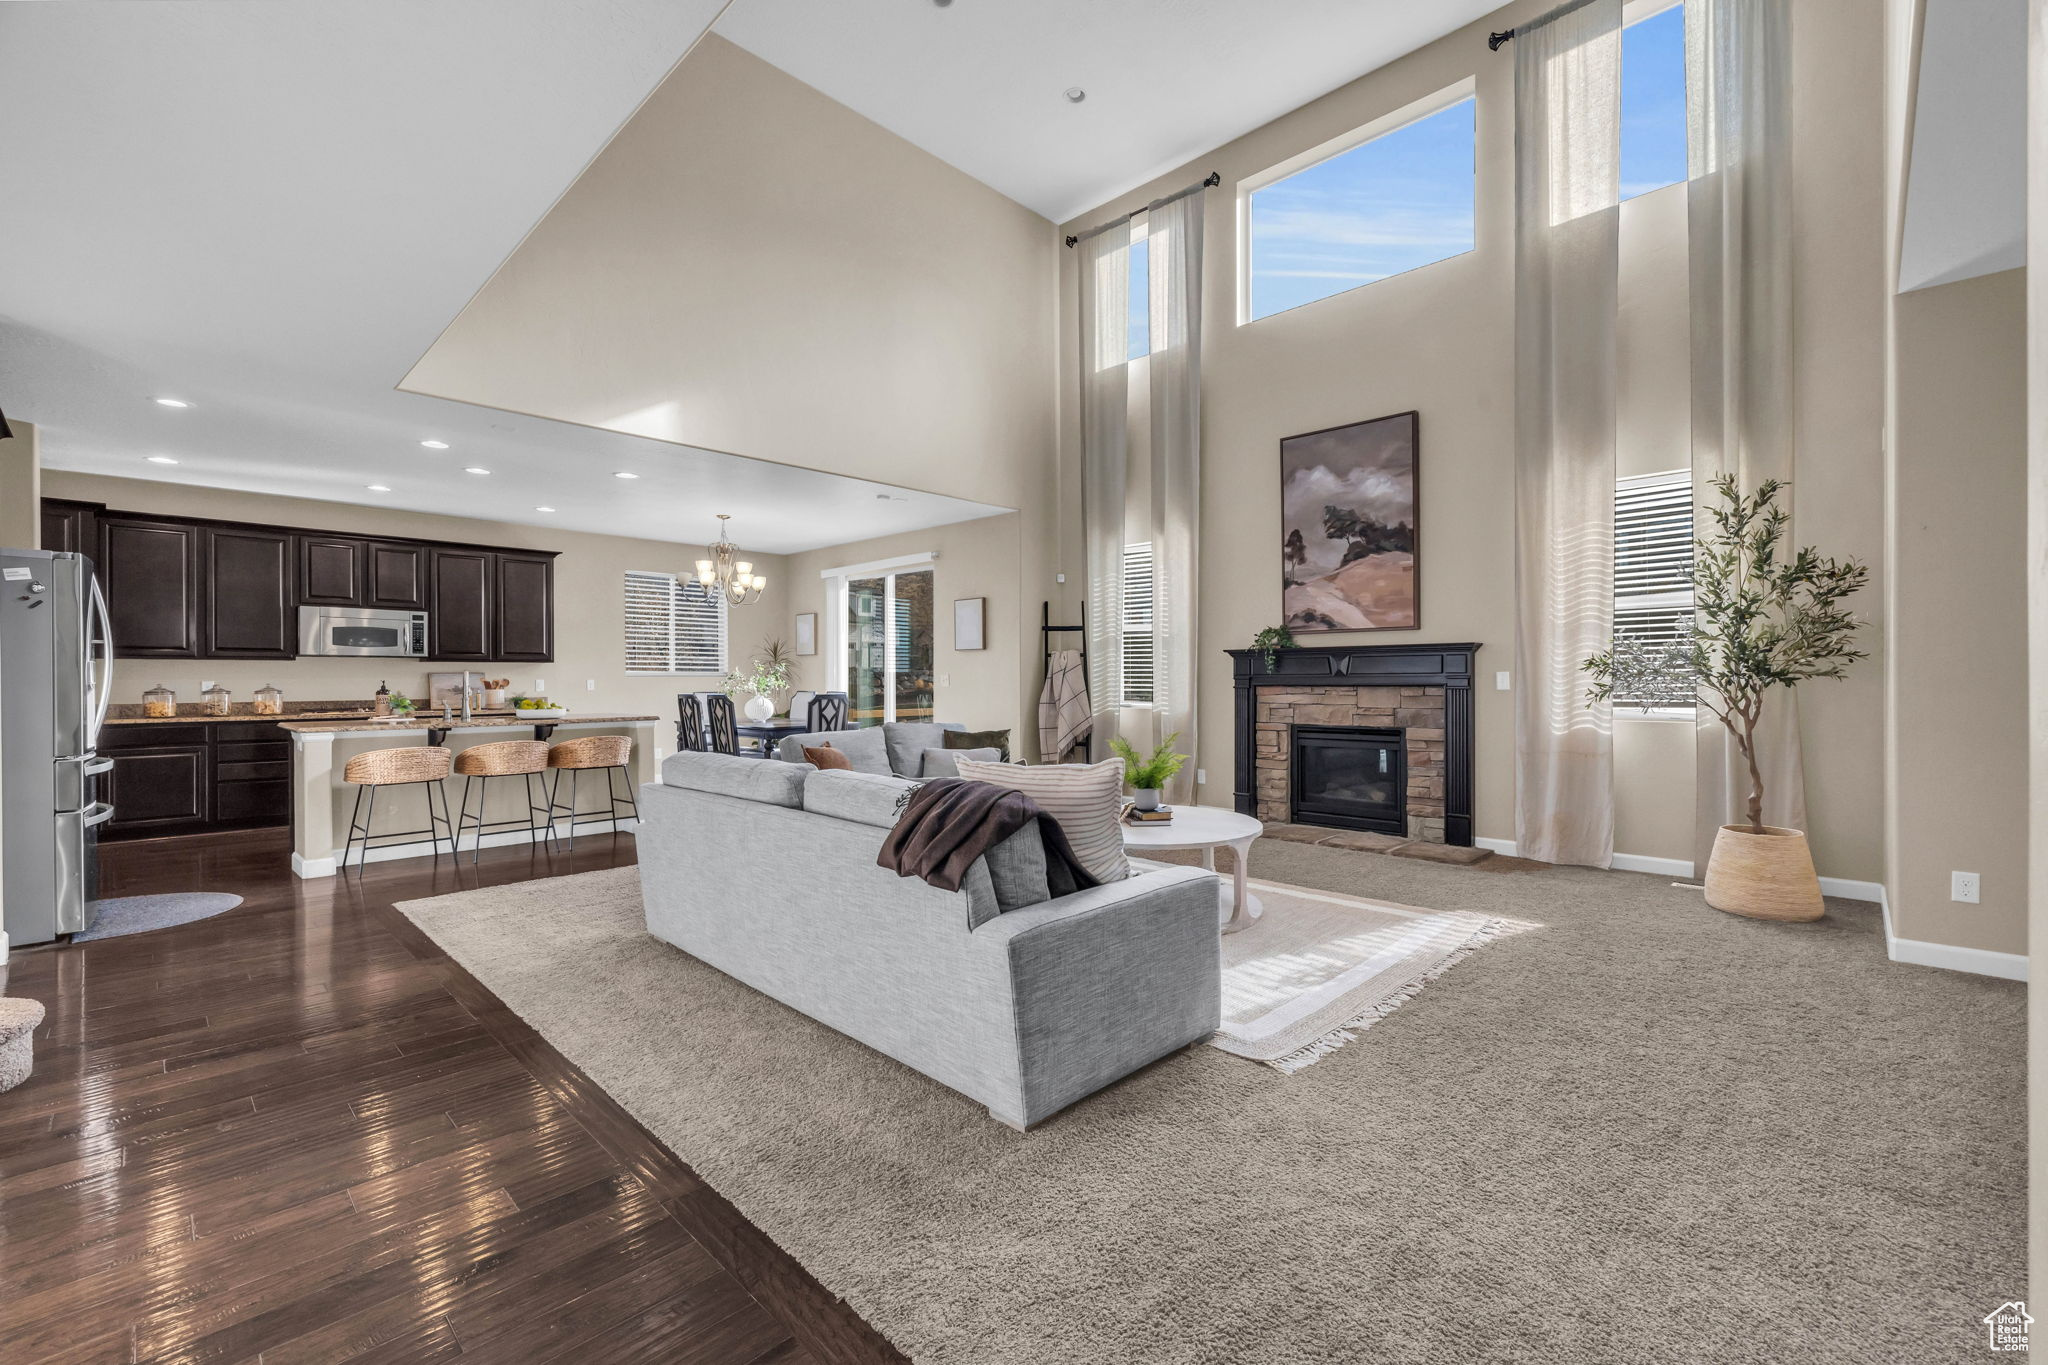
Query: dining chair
x,y
827,711
723,729
800,704
689,723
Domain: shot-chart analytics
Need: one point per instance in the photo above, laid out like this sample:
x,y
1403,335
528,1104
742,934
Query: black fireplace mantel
x,y
1445,666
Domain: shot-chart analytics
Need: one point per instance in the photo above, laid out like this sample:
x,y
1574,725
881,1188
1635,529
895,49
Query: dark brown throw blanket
x,y
949,822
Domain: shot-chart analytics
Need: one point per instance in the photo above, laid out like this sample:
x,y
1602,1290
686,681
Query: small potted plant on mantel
x,y
1148,775
1759,621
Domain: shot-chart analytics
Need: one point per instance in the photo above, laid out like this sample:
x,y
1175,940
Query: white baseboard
x,y
1915,952
421,848
1982,961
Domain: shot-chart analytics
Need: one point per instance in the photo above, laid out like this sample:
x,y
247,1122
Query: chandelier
x,y
726,574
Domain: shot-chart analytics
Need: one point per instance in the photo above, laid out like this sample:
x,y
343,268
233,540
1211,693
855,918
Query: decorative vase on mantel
x,y
759,708
1764,876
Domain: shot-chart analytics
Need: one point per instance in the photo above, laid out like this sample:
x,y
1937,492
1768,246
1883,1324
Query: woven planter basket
x,y
1763,876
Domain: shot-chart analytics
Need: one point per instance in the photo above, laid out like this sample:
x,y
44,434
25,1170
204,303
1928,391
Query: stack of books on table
x,y
1162,816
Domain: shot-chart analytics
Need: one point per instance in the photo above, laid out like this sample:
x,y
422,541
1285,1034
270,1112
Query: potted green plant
x,y
1146,775
1270,641
1760,620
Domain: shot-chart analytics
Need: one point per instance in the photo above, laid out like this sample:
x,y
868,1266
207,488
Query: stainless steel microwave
x,y
363,632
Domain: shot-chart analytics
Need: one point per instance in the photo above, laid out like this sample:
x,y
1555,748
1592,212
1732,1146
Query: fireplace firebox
x,y
1350,777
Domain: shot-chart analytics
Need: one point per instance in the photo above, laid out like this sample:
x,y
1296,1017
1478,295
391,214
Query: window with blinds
x,y
1653,582
1139,681
672,626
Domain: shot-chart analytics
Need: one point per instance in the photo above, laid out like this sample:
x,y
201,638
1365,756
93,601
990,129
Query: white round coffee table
x,y
1207,828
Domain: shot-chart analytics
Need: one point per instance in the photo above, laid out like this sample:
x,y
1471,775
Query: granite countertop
x,y
364,725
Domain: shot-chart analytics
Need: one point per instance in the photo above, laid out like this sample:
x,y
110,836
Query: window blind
x,y
672,626
1653,578
1139,681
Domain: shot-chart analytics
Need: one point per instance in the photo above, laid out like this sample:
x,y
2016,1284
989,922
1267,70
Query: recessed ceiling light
x,y
378,487
473,469
1075,94
622,474
161,459
543,509
435,445
174,402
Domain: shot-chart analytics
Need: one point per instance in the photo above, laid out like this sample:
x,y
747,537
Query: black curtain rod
x,y
1209,181
1494,40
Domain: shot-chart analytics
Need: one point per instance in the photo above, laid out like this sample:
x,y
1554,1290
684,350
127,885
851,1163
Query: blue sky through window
x,y
1400,201
1653,103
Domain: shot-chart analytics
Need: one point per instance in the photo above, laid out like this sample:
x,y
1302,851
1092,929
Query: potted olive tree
x,y
1760,620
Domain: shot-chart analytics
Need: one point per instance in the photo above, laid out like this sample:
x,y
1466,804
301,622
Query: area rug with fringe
x,y
1631,1113
1318,968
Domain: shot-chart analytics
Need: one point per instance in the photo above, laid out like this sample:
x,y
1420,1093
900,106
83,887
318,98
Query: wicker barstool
x,y
477,765
609,753
426,765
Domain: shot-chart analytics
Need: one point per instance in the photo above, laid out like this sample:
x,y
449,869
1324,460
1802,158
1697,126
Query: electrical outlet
x,y
590,684
1503,681
1201,777
205,684
540,687
945,679
1962,886
1059,578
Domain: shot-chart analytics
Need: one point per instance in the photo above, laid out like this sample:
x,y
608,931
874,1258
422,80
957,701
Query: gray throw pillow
x,y
946,762
1016,866
867,751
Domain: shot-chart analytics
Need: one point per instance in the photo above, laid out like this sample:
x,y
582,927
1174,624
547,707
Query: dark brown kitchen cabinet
x,y
398,576
184,779
251,602
159,782
71,527
524,617
150,572
332,570
459,615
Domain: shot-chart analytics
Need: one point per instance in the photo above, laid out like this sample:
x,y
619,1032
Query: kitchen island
x,y
323,802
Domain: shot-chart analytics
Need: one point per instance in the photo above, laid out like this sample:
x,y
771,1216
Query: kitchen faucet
x,y
465,694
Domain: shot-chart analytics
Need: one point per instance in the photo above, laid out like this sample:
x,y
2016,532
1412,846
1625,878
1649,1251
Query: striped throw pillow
x,y
1084,797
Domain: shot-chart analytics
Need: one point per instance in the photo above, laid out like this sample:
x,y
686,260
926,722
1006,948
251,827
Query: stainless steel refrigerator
x,y
56,674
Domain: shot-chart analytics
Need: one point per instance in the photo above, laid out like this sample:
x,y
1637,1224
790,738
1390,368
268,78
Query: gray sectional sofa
x,y
901,747
1024,1004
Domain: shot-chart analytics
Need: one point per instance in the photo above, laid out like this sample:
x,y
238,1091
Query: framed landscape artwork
x,y
1348,523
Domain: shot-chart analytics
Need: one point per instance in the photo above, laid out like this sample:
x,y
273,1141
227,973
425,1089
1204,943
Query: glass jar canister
x,y
159,701
269,700
217,700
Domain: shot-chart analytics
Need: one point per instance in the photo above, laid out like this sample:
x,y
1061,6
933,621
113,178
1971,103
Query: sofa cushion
x,y
999,740
946,762
1086,799
866,749
826,758
776,784
1016,866
865,798
907,741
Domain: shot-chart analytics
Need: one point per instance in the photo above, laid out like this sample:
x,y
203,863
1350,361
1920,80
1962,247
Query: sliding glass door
x,y
887,619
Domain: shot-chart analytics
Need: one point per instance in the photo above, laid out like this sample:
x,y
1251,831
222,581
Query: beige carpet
x,y
1647,1132
1316,969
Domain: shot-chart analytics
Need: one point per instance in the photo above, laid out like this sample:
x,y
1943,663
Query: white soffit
x,y
270,209
1966,184
981,84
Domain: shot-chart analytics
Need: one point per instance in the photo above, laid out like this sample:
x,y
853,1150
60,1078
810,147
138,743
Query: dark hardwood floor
x,y
297,1132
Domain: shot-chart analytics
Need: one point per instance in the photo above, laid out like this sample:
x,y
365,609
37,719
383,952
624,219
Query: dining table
x,y
769,731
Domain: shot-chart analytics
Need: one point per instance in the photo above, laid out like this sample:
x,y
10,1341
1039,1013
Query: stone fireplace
x,y
1366,737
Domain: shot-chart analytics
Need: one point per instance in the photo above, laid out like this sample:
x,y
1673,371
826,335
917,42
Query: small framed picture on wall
x,y
807,632
967,623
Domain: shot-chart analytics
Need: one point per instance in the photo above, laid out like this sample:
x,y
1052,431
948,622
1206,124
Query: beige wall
x,y
20,484
754,268
1439,339
589,603
1959,647
975,559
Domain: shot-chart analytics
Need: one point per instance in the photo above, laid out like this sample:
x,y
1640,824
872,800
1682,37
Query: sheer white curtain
x,y
1105,268
1174,247
1738,56
1567,223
